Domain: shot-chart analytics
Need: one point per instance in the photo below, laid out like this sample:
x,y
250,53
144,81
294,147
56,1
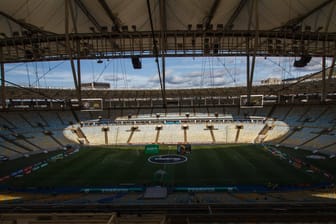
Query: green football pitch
x,y
206,165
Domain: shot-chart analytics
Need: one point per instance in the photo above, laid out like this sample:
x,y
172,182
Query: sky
x,y
181,72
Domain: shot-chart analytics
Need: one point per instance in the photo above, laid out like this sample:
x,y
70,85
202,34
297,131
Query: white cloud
x,y
180,72
114,77
176,79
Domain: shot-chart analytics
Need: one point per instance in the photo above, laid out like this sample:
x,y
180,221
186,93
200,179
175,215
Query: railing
x,y
168,121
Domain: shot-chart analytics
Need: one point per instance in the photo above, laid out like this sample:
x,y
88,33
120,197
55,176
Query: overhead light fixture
x,y
136,62
304,60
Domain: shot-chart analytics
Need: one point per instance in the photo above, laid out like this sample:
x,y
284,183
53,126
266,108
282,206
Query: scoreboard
x,y
93,104
256,101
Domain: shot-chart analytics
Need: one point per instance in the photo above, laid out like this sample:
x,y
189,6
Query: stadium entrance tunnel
x,y
172,129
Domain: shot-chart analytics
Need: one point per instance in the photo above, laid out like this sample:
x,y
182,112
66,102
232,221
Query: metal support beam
x,y
67,41
156,51
211,14
3,85
256,39
326,29
73,18
31,28
25,25
323,94
299,19
250,71
233,43
79,80
248,87
229,23
69,50
93,20
116,21
86,12
163,20
332,67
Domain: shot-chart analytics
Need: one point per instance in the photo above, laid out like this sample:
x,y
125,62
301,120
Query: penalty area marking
x,y
167,159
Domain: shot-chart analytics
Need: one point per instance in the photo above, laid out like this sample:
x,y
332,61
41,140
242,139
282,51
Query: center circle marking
x,y
167,159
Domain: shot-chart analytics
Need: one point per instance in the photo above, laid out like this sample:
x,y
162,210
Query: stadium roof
x,y
48,16
39,29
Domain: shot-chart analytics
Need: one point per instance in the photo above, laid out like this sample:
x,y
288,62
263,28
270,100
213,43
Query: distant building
x,y
271,81
96,85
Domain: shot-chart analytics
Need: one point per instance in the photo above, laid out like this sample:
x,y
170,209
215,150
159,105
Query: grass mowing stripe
x,y
207,165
